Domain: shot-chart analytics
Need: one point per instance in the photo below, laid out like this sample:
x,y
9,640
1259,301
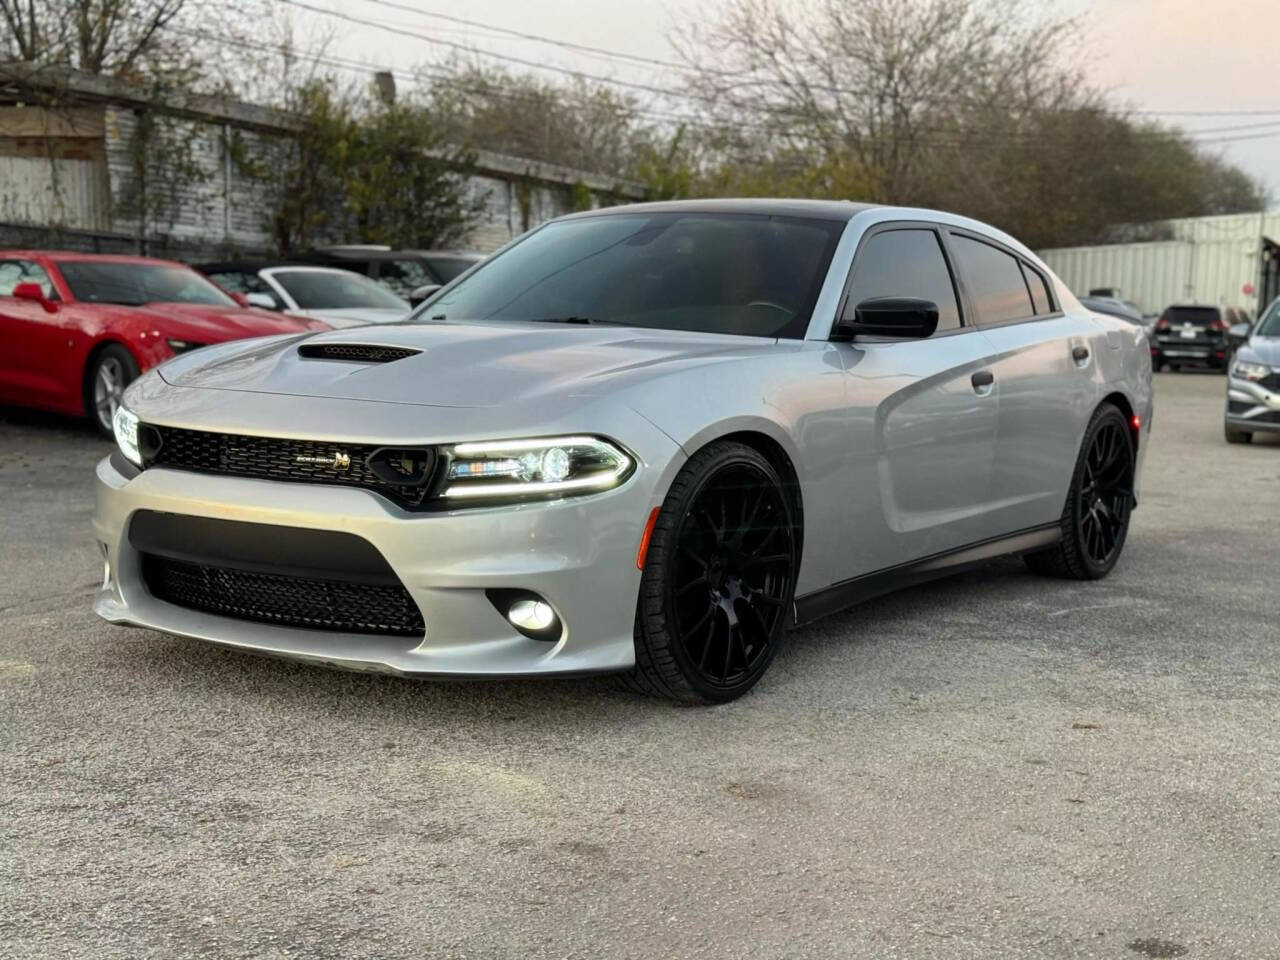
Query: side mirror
x,y
263,300
33,291
892,317
422,292
241,300
1239,333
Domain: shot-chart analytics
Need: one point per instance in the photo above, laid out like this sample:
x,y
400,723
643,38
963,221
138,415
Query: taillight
x,y
1162,323
1216,325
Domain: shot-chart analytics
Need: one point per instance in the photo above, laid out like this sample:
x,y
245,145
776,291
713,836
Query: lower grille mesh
x,y
288,601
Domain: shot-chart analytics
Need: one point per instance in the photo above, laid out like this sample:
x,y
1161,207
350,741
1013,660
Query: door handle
x,y
1079,354
983,378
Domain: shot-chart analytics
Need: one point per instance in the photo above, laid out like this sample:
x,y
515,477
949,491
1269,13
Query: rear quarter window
x,y
993,280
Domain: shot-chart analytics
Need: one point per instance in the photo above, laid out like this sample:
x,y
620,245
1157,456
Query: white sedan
x,y
338,297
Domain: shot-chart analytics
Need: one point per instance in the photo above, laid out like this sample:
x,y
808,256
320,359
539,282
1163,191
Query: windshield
x,y
133,284
713,273
337,290
1269,325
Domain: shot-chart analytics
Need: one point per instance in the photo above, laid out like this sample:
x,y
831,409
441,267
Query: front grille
x,y
300,461
359,352
284,600
1271,381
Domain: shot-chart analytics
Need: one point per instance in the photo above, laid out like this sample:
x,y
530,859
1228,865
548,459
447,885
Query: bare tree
x,y
870,82
119,37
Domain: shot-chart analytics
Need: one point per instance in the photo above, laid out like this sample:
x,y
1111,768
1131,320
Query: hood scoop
x,y
355,352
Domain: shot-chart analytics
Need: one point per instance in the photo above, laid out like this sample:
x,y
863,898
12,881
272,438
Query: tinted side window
x,y
1039,290
905,263
993,278
14,272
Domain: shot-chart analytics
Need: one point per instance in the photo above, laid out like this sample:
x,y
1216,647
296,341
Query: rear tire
x,y
110,370
719,579
1095,520
1237,436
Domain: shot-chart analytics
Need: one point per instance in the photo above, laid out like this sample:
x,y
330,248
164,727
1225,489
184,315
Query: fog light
x,y
531,615
528,613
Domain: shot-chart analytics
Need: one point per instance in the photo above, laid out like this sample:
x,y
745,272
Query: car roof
x,y
358,253
760,206
58,256
236,266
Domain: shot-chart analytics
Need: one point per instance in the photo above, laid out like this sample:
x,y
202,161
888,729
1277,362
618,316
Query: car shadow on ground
x,y
73,428
216,672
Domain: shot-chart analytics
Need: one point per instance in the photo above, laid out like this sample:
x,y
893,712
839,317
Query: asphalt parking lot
x,y
991,766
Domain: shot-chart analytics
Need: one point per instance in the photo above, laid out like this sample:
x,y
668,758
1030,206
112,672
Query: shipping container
x,y
1208,260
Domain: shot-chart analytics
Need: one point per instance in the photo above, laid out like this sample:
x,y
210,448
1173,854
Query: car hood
x,y
356,317
208,323
461,364
1262,350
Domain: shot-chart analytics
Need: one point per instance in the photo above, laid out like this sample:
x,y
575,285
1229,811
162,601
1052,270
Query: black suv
x,y
1191,336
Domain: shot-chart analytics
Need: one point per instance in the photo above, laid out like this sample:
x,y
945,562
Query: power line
x,y
537,38
956,138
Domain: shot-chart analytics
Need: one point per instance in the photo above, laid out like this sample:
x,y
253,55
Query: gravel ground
x,y
989,766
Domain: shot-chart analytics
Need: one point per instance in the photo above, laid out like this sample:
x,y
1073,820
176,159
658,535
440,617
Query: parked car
x,y
646,439
338,297
78,328
1253,382
1191,335
403,272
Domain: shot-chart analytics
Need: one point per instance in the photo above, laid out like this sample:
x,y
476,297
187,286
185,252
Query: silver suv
x,y
1253,381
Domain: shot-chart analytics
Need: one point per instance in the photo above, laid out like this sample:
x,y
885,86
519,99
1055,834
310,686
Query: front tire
x,y
110,371
1237,436
719,579
1095,520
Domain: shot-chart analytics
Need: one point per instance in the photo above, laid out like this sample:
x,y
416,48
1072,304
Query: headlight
x,y
519,468
1244,370
125,426
181,346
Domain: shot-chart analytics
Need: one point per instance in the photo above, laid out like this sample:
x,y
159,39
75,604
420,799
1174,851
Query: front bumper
x,y
578,553
1251,407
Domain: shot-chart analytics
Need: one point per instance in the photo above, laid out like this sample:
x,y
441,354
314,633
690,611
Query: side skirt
x,y
848,593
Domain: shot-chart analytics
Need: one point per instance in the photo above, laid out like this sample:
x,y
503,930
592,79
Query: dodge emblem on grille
x,y
339,461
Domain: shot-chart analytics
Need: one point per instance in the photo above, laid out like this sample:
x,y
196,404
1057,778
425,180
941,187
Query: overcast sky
x,y
1183,55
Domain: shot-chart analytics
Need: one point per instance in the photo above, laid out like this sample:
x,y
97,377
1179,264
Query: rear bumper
x,y
1214,355
1251,407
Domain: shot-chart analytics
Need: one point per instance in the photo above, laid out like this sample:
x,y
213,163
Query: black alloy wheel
x,y
1095,521
717,589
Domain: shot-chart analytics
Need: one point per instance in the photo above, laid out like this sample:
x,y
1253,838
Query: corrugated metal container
x,y
1155,275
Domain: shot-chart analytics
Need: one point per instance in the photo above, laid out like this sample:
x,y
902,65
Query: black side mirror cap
x,y
905,317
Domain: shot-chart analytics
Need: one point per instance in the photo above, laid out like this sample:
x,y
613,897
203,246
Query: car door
x,y
1043,363
32,360
922,412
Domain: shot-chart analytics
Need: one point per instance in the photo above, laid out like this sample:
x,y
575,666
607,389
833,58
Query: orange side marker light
x,y
646,537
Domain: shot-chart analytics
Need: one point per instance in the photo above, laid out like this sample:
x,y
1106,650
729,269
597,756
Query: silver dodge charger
x,y
644,440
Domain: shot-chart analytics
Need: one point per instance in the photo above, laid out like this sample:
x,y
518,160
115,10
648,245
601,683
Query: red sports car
x,y
76,328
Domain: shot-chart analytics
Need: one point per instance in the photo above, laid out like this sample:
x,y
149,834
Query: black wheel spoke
x,y
691,585
772,558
